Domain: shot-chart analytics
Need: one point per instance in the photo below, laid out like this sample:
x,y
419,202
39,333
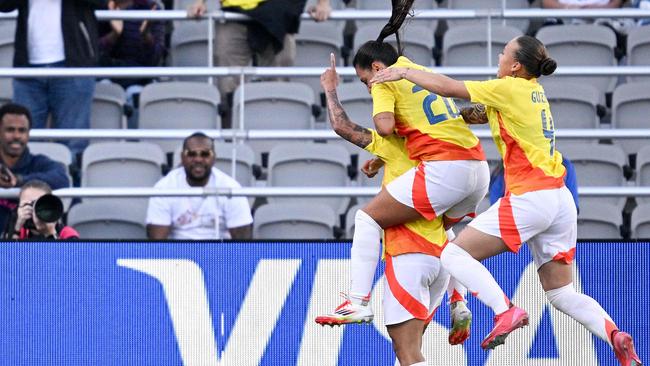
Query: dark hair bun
x,y
547,66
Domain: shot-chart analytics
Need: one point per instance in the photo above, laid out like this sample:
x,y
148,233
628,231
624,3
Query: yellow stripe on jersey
x,y
432,124
523,130
421,236
244,4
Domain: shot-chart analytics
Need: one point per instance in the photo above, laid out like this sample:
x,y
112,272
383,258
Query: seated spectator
x,y
26,224
497,185
132,44
59,33
17,165
191,218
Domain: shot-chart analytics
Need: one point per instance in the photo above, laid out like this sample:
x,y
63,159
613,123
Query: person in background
x,y
56,34
197,218
25,223
17,164
269,40
138,43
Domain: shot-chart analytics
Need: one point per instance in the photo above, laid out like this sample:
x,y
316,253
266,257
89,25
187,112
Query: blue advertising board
x,y
227,303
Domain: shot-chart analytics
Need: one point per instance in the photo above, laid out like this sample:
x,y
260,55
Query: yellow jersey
x,y
244,4
431,124
523,130
421,236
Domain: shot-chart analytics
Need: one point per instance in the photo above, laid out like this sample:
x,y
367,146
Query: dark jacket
x,y
31,167
79,27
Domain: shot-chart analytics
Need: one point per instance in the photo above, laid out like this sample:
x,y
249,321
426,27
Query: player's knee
x,y
362,217
450,254
562,297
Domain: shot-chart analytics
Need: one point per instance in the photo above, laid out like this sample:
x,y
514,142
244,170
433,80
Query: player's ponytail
x,y
534,57
378,50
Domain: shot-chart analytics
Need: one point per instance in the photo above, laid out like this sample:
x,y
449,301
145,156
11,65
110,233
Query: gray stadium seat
x,y
189,46
179,105
417,41
638,50
466,45
640,222
573,106
643,171
184,4
245,159
582,45
631,109
488,4
418,5
598,165
117,220
357,102
362,179
294,221
310,165
599,220
349,220
107,110
314,43
273,106
7,31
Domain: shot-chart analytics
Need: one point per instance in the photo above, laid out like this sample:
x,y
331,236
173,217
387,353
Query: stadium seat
x,y
582,45
598,165
179,105
574,106
638,50
310,165
189,46
244,157
599,220
7,31
184,4
417,41
640,222
107,110
314,43
466,45
57,152
349,220
122,164
631,109
294,221
643,171
273,106
522,24
418,5
357,102
118,220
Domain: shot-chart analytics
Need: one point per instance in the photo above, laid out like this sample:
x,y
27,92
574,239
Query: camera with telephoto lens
x,y
48,208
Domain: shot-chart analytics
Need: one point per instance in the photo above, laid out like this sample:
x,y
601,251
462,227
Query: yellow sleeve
x,y
383,99
493,93
377,145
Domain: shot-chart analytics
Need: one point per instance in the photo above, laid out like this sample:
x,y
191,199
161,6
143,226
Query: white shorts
x,y
415,284
451,187
545,219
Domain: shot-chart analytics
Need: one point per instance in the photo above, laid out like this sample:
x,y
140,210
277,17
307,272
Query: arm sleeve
x,y
383,99
494,93
50,171
237,212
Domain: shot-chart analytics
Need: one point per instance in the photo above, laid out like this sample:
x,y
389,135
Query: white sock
x,y
583,309
364,256
456,291
474,276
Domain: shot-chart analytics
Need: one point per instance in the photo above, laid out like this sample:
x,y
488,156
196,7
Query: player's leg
x,y
553,252
407,341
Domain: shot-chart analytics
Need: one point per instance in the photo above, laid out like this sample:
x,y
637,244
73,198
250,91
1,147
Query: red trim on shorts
x,y
507,225
421,201
433,313
566,257
405,299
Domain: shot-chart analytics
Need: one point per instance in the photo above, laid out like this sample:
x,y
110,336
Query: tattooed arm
x,y
474,115
342,125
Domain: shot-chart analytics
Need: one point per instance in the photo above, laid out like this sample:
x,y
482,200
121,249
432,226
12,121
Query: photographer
x,y
17,164
34,219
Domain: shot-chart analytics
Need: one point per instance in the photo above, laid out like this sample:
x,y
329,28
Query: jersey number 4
x,y
427,105
548,129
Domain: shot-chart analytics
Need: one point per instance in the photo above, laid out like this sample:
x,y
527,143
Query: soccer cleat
x,y
624,349
347,313
504,324
461,319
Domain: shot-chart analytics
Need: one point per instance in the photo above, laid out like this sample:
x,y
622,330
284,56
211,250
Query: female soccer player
x,y
451,178
537,209
415,280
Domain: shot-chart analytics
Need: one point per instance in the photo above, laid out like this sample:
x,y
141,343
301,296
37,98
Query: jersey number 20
x,y
427,105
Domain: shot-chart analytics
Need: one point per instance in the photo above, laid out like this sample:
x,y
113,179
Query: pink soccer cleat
x,y
504,324
624,349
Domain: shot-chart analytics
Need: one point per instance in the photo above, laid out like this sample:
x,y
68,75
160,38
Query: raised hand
x,y
329,79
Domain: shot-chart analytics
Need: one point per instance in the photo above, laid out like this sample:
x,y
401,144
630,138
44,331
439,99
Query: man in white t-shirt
x,y
211,217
